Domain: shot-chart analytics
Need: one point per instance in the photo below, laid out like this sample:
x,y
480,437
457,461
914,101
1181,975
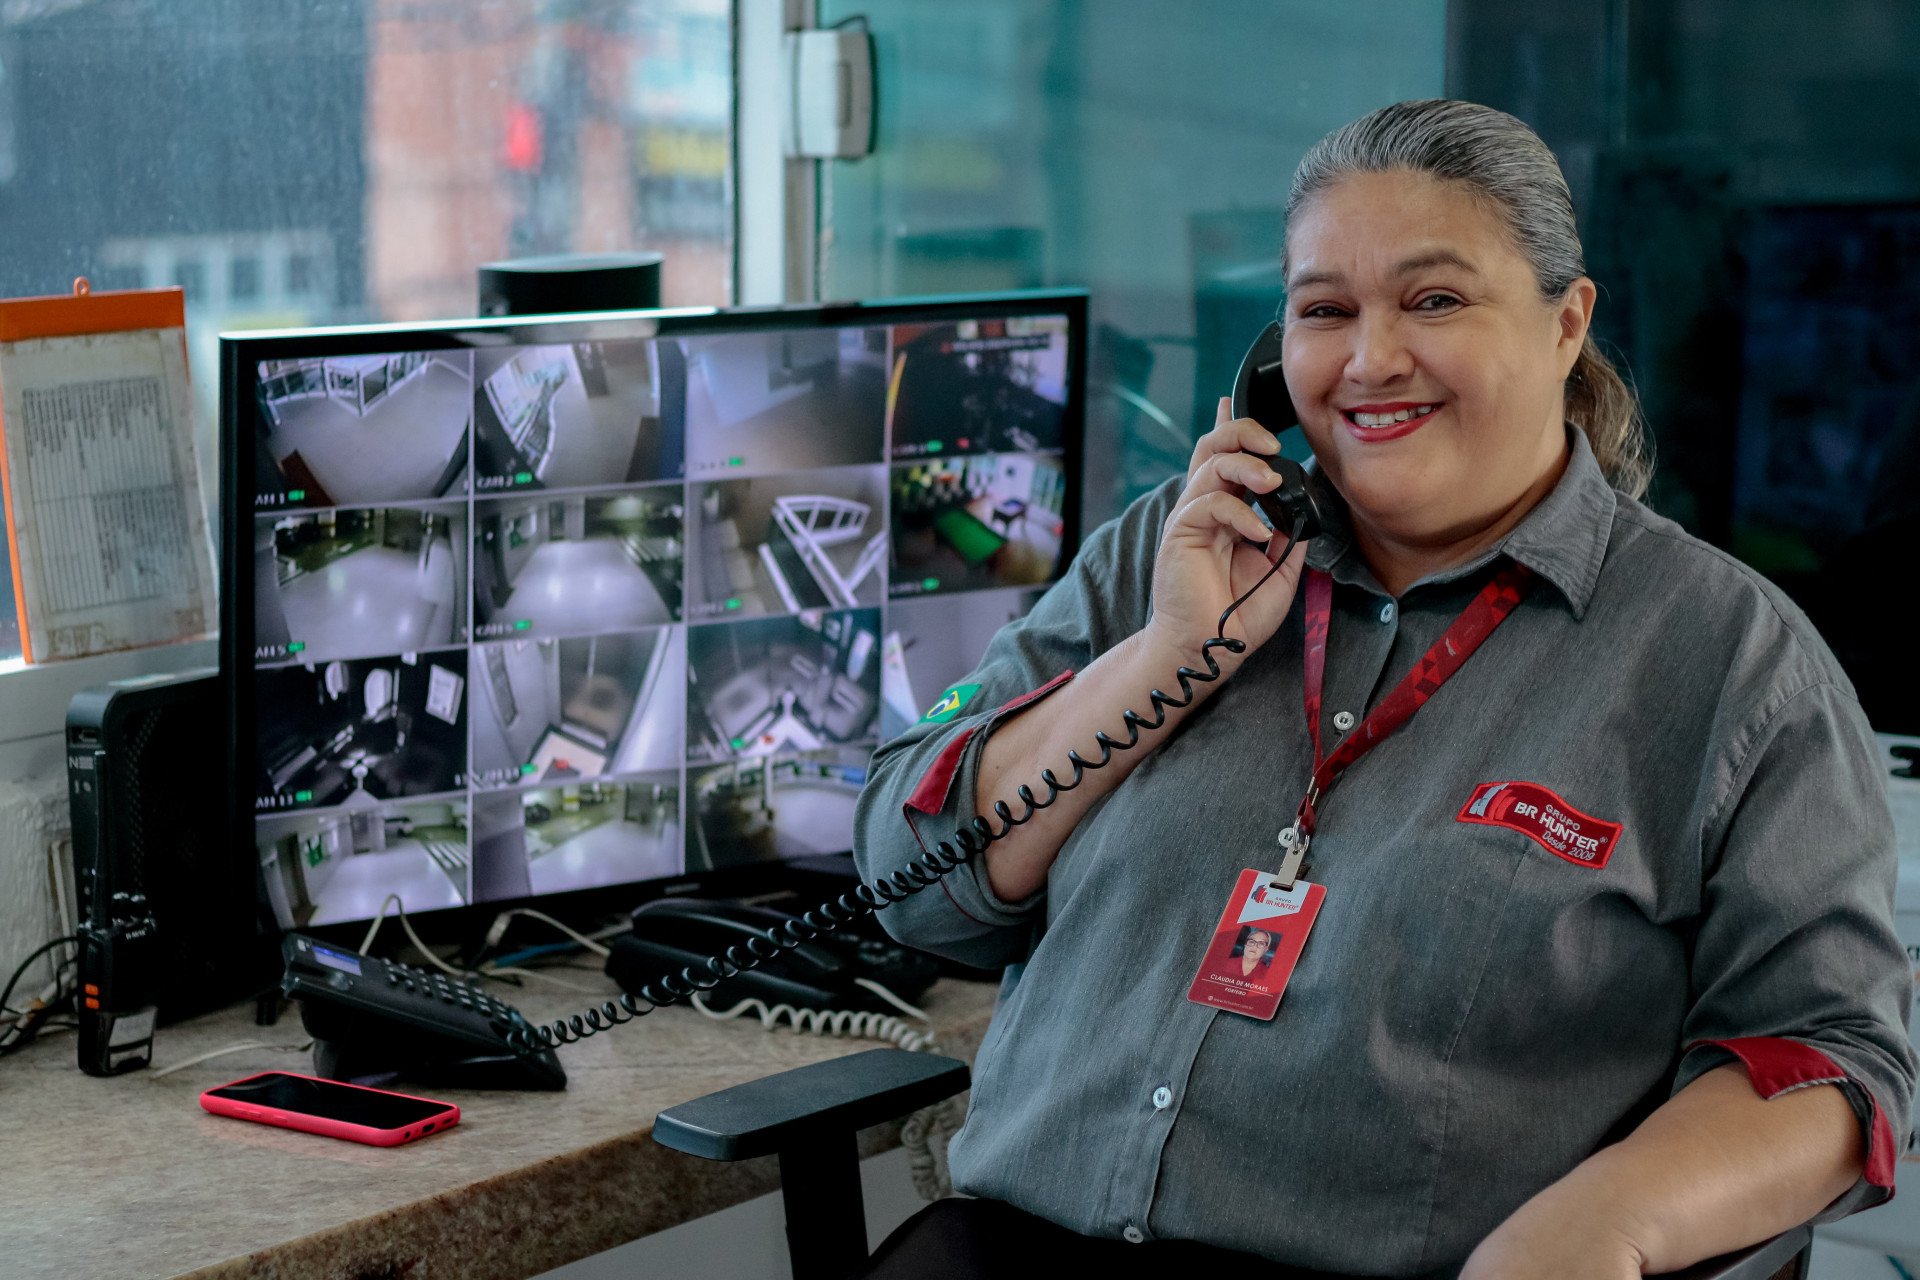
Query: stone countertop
x,y
128,1177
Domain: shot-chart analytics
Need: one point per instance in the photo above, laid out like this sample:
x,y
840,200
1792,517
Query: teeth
x,y
1387,419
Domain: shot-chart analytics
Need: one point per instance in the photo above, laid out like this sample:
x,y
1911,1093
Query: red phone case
x,y
305,1123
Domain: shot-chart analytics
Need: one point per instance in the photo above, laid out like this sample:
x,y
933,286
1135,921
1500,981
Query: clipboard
x,y
105,527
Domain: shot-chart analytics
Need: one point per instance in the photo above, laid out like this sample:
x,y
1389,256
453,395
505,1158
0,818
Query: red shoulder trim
x,y
1776,1065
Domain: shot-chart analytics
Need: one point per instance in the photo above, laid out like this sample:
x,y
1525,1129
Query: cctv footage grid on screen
x,y
542,618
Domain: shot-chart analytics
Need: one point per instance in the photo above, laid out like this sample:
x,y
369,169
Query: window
x,y
1118,146
1747,178
295,162
243,278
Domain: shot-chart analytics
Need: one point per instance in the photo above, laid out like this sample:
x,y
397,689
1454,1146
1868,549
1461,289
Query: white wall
x,y
33,789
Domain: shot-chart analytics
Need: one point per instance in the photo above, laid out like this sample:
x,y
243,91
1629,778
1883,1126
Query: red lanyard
x,y
1449,653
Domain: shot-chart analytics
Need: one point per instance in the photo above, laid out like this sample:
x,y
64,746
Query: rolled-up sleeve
x,y
921,786
1797,973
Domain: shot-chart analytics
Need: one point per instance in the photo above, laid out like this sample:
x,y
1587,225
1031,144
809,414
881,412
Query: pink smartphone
x,y
349,1111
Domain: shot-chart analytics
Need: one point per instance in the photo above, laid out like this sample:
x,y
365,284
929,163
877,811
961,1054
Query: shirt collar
x,y
1563,539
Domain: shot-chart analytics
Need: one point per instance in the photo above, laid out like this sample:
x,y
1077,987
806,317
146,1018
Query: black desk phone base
x,y
375,1022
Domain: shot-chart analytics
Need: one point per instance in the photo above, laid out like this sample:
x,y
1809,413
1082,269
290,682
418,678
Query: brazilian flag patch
x,y
950,704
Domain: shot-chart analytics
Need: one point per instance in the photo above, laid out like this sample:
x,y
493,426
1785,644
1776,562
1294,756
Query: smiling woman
x,y
1501,164
1603,980
1436,287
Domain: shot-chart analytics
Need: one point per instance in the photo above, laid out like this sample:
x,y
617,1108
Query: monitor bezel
x,y
240,356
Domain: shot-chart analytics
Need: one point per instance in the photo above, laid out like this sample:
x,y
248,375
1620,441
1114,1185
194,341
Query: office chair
x,y
810,1117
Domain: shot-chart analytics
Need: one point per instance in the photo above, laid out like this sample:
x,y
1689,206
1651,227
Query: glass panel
x,y
9,616
1140,150
1747,174
296,162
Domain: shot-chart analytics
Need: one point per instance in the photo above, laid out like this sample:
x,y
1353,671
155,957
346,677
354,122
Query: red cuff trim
x,y
931,795
936,784
1034,695
1777,1066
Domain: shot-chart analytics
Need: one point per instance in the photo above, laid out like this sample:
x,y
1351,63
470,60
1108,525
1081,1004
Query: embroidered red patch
x,y
1555,825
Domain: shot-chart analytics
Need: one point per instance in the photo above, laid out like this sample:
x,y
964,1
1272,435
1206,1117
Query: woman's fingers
x,y
1234,474
1231,435
1202,516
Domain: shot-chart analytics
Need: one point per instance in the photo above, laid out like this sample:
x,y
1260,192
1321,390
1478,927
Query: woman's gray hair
x,y
1506,164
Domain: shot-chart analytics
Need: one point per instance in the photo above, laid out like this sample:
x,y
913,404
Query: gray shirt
x,y
1476,1011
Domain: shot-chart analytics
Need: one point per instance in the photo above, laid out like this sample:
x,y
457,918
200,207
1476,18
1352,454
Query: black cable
x,y
21,972
967,844
28,1023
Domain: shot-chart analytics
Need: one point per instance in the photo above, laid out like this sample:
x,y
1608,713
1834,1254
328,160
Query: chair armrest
x,y
1755,1262
772,1114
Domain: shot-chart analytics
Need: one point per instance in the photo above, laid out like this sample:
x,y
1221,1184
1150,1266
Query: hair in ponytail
x,y
1505,163
1601,403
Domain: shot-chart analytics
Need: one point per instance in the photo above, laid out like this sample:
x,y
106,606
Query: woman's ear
x,y
1573,315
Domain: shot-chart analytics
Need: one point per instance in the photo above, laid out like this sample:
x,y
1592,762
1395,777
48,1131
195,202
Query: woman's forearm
x,y
1714,1169
1040,738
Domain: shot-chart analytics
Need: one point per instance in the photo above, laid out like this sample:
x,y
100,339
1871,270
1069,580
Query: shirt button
x,y
1162,1098
1386,612
1343,720
1133,1234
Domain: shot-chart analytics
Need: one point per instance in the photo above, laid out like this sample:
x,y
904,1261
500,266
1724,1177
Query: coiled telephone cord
x,y
917,1131
967,843
852,1023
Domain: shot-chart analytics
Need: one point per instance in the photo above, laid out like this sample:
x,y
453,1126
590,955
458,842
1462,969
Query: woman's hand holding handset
x,y
1209,555
1206,561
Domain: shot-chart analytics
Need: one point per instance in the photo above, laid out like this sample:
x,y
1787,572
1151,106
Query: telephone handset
x,y
1260,393
670,934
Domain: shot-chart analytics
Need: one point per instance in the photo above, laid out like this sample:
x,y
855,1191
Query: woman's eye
x,y
1321,311
1437,302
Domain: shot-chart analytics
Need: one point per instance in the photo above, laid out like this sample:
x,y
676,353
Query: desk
x,y
127,1177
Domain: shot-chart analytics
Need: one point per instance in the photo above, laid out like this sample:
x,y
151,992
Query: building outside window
x,y
302,162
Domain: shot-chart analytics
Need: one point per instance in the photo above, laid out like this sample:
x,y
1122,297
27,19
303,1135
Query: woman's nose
x,y
1378,356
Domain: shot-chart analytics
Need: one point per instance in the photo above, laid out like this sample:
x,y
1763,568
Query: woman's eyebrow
x,y
1405,267
1434,258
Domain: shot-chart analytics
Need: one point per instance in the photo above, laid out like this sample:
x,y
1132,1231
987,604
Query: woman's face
x,y
1255,946
1425,366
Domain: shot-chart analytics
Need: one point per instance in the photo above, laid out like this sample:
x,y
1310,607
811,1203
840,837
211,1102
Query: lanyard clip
x,y
1295,842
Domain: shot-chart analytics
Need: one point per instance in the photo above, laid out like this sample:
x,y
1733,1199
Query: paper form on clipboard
x,y
107,534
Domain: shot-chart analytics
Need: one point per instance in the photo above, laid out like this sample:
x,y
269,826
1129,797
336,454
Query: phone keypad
x,y
378,998
438,994
443,989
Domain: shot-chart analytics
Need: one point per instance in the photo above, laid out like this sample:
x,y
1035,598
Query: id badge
x,y
1256,945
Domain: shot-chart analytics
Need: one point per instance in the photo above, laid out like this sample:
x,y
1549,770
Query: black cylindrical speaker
x,y
565,282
